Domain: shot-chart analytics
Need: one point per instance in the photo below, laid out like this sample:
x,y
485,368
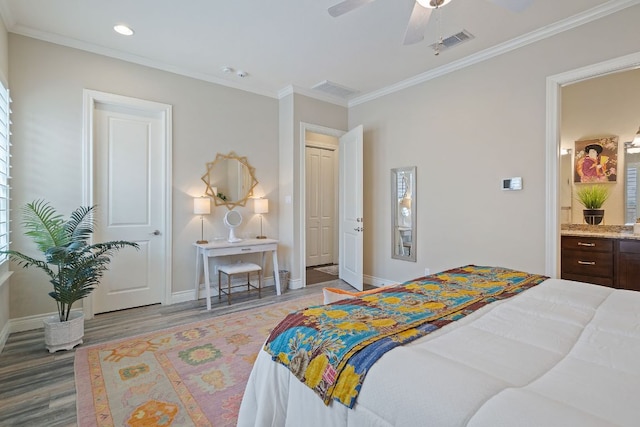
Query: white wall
x,y
47,83
604,106
466,131
297,109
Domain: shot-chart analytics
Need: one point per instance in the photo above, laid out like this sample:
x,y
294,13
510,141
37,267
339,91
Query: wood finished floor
x,y
314,276
37,389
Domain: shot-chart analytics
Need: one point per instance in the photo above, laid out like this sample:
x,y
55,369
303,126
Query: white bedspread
x,y
561,354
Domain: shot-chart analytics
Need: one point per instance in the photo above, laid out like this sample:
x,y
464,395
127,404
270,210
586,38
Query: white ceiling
x,y
293,44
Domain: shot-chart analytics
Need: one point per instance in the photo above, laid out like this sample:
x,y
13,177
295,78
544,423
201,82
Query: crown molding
x,y
585,17
136,59
590,15
291,89
112,53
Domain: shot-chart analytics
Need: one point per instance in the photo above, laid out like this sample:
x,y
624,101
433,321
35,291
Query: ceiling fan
x,y
421,12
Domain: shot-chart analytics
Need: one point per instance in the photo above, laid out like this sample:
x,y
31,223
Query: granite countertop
x,y
606,231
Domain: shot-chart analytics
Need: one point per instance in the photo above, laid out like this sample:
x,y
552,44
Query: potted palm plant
x,y
592,197
73,264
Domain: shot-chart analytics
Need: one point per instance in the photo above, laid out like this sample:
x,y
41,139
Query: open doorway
x,y
555,84
321,207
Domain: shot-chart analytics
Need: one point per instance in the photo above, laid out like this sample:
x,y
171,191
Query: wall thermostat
x,y
512,183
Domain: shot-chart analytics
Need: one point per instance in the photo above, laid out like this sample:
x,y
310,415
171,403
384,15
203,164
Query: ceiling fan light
x,y
432,4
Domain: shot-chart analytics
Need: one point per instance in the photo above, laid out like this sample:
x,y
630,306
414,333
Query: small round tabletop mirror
x,y
232,219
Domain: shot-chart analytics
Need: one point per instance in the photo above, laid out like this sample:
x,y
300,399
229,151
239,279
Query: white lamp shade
x,y
260,206
201,206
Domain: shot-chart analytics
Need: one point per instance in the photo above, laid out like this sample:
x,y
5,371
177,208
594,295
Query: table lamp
x,y
261,206
202,207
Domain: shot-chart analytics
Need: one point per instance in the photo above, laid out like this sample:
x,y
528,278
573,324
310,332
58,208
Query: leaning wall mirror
x,y
403,213
230,180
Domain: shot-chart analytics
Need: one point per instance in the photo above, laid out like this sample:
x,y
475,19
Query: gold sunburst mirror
x,y
230,180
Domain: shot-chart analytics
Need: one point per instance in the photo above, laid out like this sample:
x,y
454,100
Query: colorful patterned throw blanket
x,y
330,348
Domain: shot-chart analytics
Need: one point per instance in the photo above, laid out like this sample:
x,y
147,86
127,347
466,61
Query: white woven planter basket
x,y
63,335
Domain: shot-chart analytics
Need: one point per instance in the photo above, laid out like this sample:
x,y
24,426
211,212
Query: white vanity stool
x,y
239,268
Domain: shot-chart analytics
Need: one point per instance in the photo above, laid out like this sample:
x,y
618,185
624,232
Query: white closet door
x,y
320,205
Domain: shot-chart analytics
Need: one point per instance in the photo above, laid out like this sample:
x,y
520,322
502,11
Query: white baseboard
x,y
184,296
28,323
378,281
294,284
190,295
367,280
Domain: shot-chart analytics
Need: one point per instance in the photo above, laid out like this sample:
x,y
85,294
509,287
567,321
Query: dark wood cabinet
x,y
629,264
608,262
587,259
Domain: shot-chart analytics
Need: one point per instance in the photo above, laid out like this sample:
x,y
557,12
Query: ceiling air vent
x,y
452,41
334,89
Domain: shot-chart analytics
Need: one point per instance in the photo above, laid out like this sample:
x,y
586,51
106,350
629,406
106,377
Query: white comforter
x,y
561,354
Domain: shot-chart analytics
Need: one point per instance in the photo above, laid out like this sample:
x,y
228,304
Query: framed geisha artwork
x,y
596,160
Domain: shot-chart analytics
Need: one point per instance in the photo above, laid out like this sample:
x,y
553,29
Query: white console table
x,y
222,248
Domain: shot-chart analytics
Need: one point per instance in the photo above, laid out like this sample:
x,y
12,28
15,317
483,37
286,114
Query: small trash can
x,y
284,280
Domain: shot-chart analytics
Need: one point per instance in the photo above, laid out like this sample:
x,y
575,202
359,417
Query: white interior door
x,y
350,208
129,188
320,205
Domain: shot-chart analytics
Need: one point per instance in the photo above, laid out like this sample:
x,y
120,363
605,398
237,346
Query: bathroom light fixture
x,y
123,29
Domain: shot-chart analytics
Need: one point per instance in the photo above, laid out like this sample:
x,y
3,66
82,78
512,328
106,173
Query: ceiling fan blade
x,y
346,6
417,24
513,5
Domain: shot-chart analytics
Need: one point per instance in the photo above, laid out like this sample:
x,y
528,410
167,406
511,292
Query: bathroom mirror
x,y
403,213
232,219
230,180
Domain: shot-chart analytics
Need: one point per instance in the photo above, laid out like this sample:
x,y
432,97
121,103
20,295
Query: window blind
x,y
5,156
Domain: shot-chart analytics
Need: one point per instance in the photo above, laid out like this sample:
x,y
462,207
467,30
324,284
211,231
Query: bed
x,y
561,353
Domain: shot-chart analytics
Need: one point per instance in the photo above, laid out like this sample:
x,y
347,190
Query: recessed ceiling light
x,y
123,29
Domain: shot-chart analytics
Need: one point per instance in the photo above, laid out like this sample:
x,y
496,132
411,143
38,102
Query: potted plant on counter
x,y
73,264
592,197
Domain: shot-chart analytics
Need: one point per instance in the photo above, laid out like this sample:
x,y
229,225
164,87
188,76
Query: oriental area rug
x,y
189,375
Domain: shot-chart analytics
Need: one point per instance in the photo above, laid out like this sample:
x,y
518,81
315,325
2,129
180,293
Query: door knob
x,y
155,232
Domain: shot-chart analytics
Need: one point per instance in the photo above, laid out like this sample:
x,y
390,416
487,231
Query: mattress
x,y
563,353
